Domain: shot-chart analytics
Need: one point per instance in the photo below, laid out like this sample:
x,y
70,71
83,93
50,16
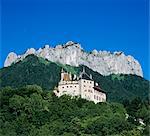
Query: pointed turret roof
x,y
84,75
62,70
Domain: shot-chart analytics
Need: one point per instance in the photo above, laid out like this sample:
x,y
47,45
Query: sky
x,y
112,25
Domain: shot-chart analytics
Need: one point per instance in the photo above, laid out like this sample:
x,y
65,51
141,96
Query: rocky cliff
x,y
72,54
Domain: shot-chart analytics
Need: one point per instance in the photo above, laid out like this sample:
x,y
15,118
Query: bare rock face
x,y
30,51
71,53
11,58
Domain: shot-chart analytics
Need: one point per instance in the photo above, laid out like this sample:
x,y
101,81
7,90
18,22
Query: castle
x,y
83,86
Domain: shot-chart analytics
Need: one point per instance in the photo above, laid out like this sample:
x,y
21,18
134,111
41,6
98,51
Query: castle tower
x,y
70,76
62,74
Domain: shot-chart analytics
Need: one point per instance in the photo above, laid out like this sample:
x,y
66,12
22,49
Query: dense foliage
x,y
34,70
30,111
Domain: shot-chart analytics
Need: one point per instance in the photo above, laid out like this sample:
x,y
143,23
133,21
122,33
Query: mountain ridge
x,y
71,53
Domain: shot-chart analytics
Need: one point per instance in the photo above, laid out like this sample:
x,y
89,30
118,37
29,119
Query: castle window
x,y
103,99
90,82
67,86
94,97
70,86
97,97
84,81
63,87
84,86
85,90
75,86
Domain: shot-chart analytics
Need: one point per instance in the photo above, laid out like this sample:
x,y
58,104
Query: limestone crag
x,y
72,54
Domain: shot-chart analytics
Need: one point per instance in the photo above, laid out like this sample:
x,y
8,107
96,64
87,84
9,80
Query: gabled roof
x,y
84,75
97,88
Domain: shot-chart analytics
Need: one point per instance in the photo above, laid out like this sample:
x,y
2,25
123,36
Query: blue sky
x,y
113,25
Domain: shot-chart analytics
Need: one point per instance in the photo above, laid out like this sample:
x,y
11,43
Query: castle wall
x,y
69,88
86,89
99,96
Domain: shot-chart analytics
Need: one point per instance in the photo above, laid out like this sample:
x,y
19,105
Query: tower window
x,y
90,91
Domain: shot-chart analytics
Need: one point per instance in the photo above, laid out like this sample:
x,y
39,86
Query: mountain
x,y
71,53
36,70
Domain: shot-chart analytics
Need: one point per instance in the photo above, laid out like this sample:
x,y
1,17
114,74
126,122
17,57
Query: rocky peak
x,y
72,54
11,58
72,44
46,46
30,51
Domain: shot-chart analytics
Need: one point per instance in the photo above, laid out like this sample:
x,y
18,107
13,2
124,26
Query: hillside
x,y
34,70
30,111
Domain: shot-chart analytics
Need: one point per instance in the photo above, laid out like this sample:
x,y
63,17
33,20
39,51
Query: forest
x,y
32,111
